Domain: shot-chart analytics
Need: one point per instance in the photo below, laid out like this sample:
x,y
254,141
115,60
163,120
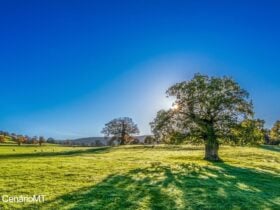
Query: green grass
x,y
139,177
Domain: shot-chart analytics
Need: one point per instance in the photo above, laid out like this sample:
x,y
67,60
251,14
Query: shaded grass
x,y
271,148
180,187
140,177
40,152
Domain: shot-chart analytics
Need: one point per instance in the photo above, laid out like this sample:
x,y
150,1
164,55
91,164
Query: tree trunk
x,y
122,142
211,144
211,151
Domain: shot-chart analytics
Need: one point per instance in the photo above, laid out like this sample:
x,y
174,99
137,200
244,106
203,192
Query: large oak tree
x,y
206,107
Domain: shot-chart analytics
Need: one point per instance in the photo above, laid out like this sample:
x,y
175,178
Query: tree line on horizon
x,y
24,139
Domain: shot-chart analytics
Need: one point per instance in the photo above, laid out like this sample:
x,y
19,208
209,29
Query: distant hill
x,y
95,141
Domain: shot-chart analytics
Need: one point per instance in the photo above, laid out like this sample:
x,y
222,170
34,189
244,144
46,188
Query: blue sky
x,y
68,67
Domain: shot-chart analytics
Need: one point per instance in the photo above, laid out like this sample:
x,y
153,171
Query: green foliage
x,y
163,125
176,138
275,133
150,140
51,140
209,104
141,177
120,129
249,132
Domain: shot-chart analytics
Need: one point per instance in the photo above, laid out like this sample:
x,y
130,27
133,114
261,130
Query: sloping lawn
x,y
141,177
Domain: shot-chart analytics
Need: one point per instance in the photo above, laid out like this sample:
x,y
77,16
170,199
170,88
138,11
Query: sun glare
x,y
175,107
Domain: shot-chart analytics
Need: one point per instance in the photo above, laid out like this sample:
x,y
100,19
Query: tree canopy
x,y
275,133
249,132
120,129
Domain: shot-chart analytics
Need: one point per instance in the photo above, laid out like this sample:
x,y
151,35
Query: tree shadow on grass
x,y
271,148
181,186
38,153
164,147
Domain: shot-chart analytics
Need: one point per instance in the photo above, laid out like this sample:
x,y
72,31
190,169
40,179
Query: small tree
x,y
163,126
149,140
208,108
34,140
249,132
2,138
51,140
120,129
20,140
275,133
41,140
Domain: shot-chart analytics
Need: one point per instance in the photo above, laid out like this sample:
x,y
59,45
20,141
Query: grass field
x,y
141,177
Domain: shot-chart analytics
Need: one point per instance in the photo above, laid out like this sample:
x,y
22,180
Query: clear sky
x,y
68,67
